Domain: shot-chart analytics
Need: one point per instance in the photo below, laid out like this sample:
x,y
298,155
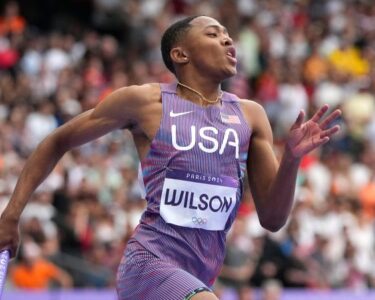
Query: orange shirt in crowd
x,y
35,276
315,69
12,25
367,199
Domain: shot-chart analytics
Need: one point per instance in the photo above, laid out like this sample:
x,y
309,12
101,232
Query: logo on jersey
x,y
197,137
173,114
199,221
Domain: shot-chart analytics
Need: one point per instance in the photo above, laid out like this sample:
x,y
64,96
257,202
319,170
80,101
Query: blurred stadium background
x,y
59,58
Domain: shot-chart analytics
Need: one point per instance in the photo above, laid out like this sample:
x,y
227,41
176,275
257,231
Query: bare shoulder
x,y
251,105
129,103
253,112
137,94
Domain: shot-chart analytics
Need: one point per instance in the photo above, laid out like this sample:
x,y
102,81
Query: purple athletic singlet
x,y
193,178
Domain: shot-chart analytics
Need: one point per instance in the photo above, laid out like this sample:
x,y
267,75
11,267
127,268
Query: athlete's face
x,y
210,49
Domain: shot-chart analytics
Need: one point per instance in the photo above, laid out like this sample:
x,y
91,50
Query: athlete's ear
x,y
179,56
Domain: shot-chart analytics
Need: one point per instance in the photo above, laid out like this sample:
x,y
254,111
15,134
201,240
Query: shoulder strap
x,y
168,87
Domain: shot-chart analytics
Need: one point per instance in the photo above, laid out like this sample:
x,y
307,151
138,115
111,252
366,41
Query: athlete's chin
x,y
230,72
223,73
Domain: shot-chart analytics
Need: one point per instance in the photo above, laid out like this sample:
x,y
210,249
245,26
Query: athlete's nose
x,y
227,41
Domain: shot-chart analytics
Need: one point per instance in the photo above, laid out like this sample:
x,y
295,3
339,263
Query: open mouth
x,y
231,53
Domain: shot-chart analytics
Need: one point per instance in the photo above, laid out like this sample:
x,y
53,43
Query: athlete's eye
x,y
212,34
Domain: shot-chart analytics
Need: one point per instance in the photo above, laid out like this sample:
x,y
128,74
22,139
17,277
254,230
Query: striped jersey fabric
x,y
143,276
193,176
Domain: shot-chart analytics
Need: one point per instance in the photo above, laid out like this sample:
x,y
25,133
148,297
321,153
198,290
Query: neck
x,y
201,92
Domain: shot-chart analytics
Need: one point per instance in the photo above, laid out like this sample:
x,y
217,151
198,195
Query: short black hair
x,y
171,36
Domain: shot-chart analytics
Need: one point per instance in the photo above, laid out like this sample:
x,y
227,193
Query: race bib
x,y
196,200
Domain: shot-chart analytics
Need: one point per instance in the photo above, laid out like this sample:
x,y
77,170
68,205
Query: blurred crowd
x,y
58,61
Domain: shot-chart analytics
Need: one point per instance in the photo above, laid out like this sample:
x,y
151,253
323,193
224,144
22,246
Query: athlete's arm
x,y
118,110
273,184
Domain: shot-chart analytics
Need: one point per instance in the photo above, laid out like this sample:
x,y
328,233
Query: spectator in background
x,y
39,124
268,90
11,22
292,98
358,109
240,259
12,27
330,89
367,197
271,290
32,271
249,49
348,59
315,67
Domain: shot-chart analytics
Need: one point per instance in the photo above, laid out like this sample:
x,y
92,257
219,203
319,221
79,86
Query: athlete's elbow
x,y
272,227
271,218
55,144
272,224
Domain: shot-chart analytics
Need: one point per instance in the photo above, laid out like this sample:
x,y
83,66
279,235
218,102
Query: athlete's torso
x,y
193,178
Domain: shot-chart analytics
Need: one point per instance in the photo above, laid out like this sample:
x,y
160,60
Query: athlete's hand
x,y
9,236
306,136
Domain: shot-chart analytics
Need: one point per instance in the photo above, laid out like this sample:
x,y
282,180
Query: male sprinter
x,y
195,143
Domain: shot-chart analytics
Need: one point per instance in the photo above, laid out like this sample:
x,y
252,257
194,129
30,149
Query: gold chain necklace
x,y
201,96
